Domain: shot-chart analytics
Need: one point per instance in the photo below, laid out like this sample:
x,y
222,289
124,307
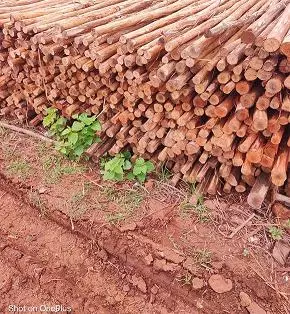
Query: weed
x,y
127,200
9,153
79,203
3,132
117,167
198,208
55,167
276,233
20,168
42,148
78,197
114,168
202,257
192,190
37,201
185,279
246,252
140,169
72,140
115,218
164,174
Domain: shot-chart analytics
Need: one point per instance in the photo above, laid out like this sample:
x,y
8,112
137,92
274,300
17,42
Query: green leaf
x,y
89,132
112,176
140,161
88,142
108,175
50,111
127,165
97,140
118,169
138,170
77,126
73,138
96,126
48,120
127,155
61,121
63,150
75,116
150,166
130,176
66,131
79,150
141,177
85,119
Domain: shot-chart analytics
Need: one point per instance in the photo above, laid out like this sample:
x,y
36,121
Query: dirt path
x,y
95,248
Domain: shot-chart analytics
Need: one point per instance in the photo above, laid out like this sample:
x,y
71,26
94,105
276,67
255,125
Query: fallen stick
x,y
241,226
283,199
27,132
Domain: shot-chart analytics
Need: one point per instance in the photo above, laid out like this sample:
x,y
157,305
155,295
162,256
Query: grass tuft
x,y
19,168
202,257
127,200
56,166
198,209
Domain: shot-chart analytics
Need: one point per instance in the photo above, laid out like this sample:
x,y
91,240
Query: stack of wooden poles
x,y
201,86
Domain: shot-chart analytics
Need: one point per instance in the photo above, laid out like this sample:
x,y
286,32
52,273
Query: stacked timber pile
x,y
200,85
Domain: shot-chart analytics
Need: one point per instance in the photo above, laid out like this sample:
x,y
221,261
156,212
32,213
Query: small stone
x,y
171,256
161,264
128,227
245,299
254,308
217,265
197,283
220,284
199,304
126,288
42,190
154,289
148,259
140,283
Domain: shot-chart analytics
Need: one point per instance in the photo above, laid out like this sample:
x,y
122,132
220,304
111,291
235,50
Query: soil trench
x,y
51,260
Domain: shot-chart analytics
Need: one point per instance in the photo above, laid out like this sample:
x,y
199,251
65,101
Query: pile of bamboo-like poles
x,y
200,85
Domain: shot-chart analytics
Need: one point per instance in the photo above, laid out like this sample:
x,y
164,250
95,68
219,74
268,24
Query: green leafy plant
x,y
120,166
114,169
276,233
141,169
73,138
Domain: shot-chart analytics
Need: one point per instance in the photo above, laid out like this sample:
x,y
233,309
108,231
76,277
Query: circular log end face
x,y
271,45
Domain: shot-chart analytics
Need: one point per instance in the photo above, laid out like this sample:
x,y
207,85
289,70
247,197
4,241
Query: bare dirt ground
x,y
68,238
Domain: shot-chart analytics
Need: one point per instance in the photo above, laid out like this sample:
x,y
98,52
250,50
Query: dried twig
x,y
241,226
26,132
